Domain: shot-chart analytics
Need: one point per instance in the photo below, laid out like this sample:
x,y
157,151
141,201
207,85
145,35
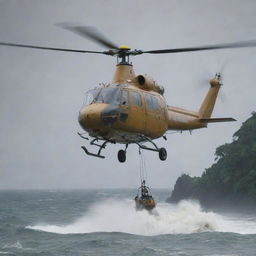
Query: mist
x,y
41,92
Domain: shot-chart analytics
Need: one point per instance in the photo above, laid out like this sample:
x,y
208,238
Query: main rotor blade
x,y
91,33
48,48
242,44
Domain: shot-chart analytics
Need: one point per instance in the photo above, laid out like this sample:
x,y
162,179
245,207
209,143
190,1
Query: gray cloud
x,y
41,92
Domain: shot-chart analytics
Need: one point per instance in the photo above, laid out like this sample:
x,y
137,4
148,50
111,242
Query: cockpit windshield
x,y
109,95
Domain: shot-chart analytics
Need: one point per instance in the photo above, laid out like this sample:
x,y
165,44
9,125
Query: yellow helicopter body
x,y
136,110
132,109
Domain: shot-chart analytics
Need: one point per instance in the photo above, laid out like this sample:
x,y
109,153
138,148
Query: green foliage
x,y
232,176
184,185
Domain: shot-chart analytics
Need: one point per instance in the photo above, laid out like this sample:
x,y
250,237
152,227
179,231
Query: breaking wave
x,y
120,216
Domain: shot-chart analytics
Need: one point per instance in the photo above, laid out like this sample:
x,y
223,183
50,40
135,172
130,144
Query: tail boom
x,y
179,119
182,119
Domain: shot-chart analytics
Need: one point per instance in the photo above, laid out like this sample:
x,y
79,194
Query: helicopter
x,y
132,108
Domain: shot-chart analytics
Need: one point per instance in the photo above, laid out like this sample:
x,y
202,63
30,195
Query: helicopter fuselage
x,y
128,115
132,109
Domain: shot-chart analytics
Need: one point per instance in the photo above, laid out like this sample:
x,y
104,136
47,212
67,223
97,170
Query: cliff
x,y
231,180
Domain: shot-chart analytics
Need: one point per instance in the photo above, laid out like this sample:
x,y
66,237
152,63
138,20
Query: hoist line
x,y
143,170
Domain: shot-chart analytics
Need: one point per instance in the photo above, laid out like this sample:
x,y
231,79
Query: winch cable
x,y
143,170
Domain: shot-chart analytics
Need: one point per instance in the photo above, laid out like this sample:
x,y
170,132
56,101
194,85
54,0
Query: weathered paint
x,y
126,123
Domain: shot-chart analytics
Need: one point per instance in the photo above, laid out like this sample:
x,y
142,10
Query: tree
x,y
232,177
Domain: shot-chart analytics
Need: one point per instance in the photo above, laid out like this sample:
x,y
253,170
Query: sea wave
x,y
120,216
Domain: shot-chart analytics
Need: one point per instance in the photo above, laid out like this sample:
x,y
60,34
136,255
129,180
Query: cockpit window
x,y
125,98
109,95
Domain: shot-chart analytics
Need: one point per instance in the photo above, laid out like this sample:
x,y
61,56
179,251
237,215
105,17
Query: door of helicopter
x,y
155,116
137,109
134,111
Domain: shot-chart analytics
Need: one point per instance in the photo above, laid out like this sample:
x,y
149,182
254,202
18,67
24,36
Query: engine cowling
x,y
148,84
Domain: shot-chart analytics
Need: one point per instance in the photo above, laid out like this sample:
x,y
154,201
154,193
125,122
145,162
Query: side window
x,y
155,102
136,99
152,102
149,102
125,98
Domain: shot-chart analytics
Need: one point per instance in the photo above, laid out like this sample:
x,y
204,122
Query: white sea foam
x,y
120,216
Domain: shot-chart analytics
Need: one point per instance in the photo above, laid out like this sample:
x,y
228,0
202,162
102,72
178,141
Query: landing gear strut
x,y
121,155
93,142
161,151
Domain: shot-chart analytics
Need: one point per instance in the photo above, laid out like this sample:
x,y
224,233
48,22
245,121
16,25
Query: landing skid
x,y
122,153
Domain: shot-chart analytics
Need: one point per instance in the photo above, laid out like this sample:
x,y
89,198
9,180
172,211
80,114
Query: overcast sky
x,y
41,92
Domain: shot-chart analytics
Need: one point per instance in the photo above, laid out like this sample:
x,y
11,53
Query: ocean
x,y
105,222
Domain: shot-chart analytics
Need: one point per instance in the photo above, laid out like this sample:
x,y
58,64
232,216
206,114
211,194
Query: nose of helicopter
x,y
97,116
90,116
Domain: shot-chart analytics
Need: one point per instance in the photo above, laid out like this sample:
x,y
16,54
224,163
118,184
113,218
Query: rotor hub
x,y
124,47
